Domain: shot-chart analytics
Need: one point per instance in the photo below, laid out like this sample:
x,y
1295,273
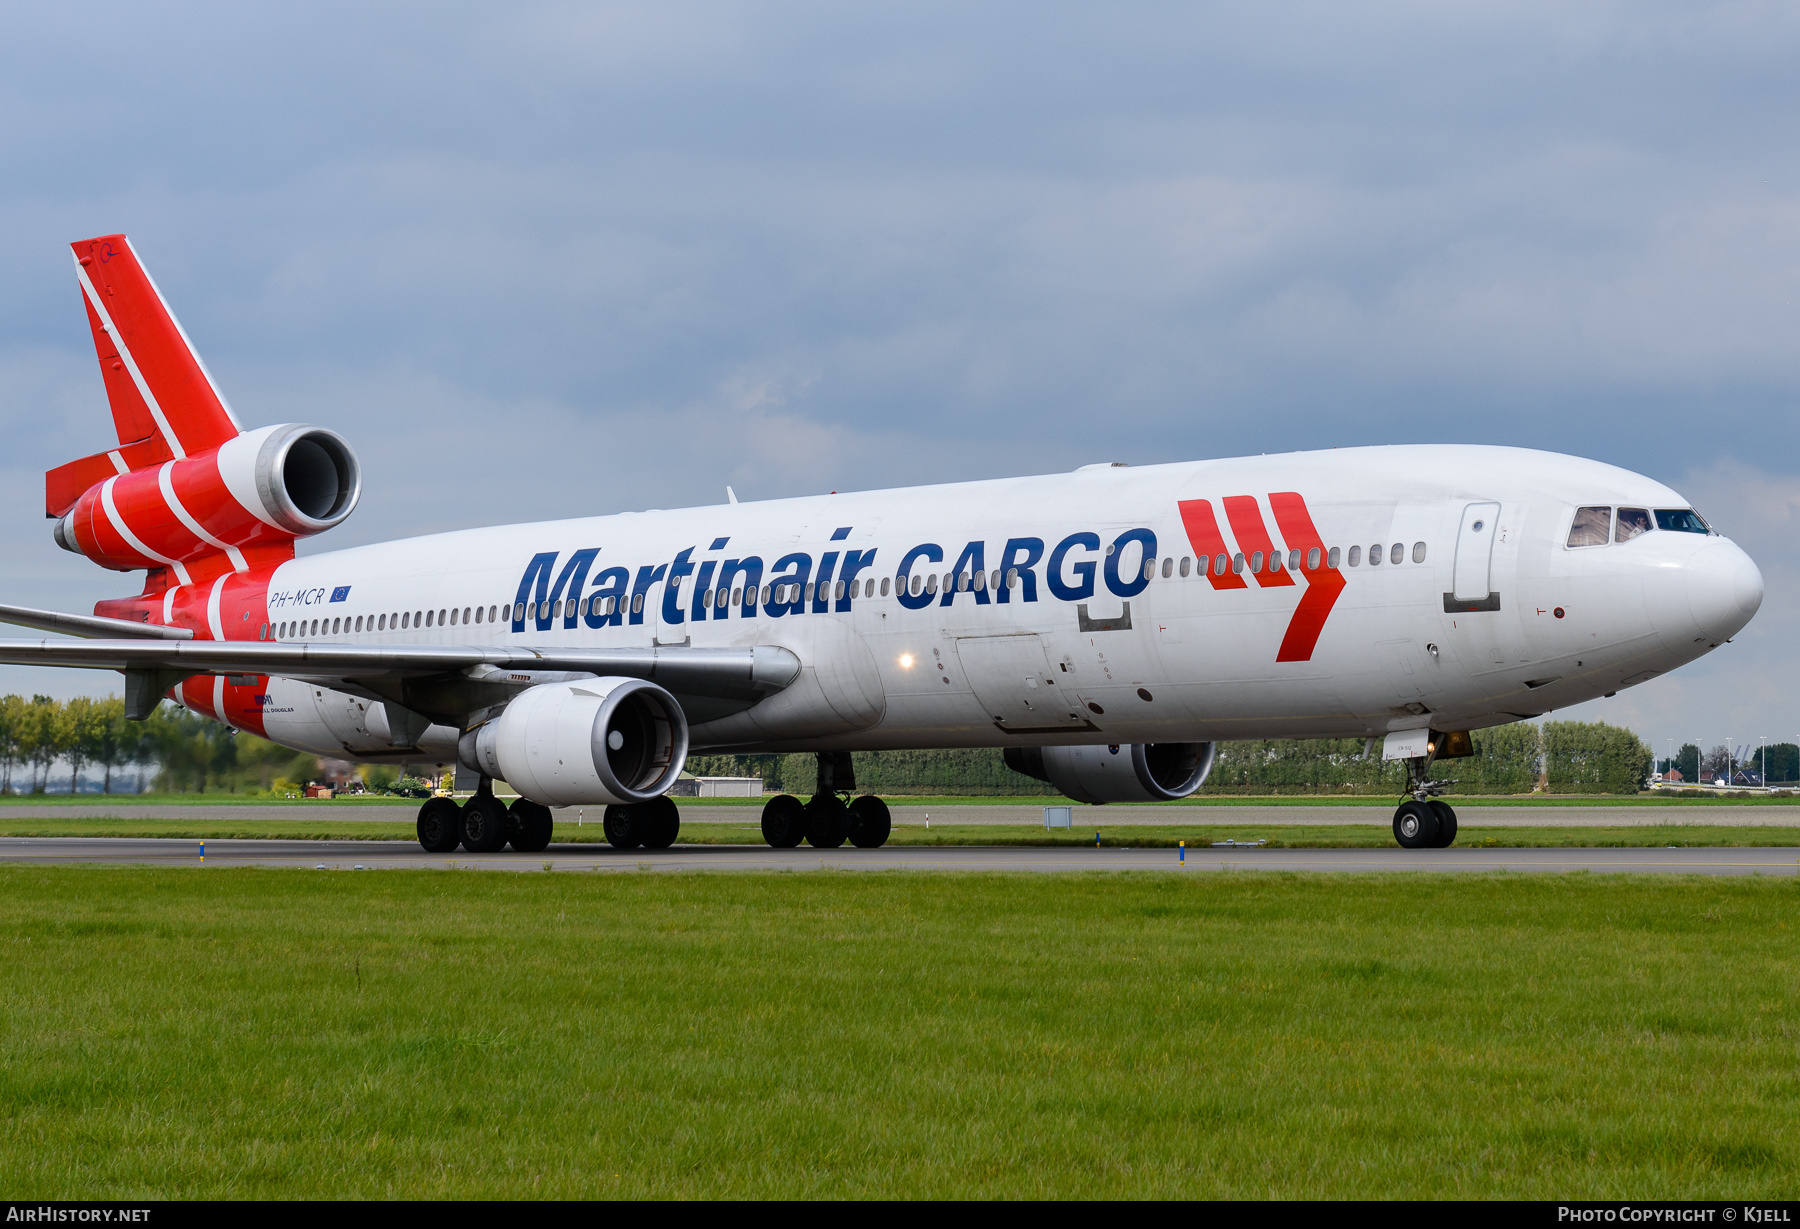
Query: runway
x,y
1472,814
384,855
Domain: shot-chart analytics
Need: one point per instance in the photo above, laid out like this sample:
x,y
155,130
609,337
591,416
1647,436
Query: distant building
x,y
689,786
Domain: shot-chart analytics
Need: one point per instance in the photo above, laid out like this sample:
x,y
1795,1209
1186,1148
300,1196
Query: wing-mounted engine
x,y
264,488
1128,772
594,741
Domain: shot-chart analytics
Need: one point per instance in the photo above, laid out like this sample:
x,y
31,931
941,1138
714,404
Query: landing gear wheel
x,y
1415,825
440,825
530,828
868,822
485,824
658,821
827,821
622,828
1446,823
784,821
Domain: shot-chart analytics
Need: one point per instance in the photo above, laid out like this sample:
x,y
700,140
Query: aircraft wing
x,y
742,673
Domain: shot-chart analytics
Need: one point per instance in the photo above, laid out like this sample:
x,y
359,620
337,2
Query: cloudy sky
x,y
545,259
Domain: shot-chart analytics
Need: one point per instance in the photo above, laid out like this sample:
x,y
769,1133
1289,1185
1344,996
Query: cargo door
x,y
1014,682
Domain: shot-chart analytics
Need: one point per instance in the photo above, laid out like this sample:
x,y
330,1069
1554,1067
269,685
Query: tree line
x,y
175,751
1557,756
178,751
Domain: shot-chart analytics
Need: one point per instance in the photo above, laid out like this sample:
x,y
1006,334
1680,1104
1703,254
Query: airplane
x,y
1106,628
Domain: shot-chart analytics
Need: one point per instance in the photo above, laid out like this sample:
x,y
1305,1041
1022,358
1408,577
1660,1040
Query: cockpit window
x,y
1592,527
1681,520
1632,522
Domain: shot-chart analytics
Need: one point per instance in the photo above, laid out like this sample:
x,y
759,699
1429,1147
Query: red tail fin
x,y
164,402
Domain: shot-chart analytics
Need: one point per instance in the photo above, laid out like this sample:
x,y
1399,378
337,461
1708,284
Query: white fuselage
x,y
1088,651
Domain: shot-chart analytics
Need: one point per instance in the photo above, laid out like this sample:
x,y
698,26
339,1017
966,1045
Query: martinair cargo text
x,y
1105,627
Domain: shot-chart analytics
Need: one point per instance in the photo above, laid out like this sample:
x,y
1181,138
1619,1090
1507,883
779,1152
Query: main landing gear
x,y
484,824
1424,821
827,821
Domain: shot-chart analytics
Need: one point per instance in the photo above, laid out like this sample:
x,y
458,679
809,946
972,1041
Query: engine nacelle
x,y
1129,772
604,740
265,487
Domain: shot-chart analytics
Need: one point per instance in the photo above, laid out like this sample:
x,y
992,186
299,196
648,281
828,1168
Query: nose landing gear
x,y
1424,821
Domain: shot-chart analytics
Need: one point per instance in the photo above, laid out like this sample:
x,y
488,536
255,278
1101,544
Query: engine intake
x,y
265,487
1128,772
594,741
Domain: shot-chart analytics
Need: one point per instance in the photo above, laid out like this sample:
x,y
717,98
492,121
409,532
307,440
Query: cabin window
x,y
1184,565
1681,520
1355,556
1312,559
493,613
334,626
1256,561
1149,569
1221,565
884,586
1632,522
637,603
359,620
1293,561
1331,557
837,592
980,579
1397,553
1591,527
1375,555
1418,552
440,618
1012,578
931,583
994,579
1237,564
465,614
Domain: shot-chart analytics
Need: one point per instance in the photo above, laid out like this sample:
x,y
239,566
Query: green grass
x,y
253,1033
1278,836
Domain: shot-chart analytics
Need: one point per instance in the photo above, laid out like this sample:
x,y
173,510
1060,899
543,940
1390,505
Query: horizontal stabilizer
x,y
89,625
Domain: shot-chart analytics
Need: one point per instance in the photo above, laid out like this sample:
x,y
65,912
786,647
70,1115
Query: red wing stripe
x,y
1323,584
1203,532
1252,535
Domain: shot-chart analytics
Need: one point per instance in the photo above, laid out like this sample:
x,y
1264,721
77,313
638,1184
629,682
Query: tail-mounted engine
x,y
263,488
604,740
1129,772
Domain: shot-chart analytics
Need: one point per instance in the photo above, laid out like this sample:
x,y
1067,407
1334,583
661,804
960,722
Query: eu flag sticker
x,y
341,593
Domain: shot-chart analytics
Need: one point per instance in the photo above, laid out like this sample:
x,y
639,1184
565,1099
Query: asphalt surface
x,y
348,855
1471,815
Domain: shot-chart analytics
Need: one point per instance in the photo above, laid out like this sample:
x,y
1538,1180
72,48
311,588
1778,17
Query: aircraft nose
x,y
1725,588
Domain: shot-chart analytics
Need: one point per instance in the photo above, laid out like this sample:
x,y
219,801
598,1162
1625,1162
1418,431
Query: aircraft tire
x,y
485,824
1446,824
784,821
621,826
659,821
868,822
1415,826
827,821
531,826
440,825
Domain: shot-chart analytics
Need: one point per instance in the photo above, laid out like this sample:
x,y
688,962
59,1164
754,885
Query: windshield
x,y
1681,520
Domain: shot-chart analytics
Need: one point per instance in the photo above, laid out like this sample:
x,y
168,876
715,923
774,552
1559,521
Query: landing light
x,y
906,660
